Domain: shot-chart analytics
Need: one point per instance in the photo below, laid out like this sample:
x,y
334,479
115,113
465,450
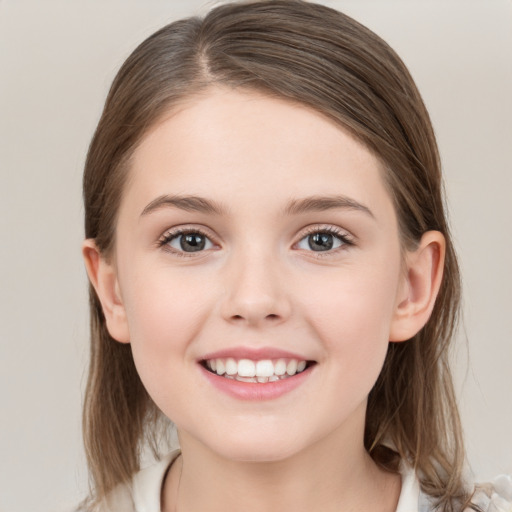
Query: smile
x,y
260,371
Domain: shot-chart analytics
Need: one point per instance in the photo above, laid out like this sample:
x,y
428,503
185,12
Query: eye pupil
x,y
321,241
192,242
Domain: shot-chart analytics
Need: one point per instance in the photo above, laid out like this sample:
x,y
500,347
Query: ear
x,y
420,286
103,277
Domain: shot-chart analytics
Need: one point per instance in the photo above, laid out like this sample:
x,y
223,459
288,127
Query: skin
x,y
258,282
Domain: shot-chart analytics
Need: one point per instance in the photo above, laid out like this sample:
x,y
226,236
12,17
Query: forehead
x,y
244,146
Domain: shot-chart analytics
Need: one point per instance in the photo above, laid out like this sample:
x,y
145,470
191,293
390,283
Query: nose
x,y
256,294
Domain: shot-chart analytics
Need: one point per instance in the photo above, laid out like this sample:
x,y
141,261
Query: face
x,y
255,235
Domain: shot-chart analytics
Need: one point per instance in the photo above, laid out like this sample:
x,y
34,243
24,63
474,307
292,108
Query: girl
x,y
271,269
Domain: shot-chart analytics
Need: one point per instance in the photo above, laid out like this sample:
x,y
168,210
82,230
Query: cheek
x,y
164,316
352,315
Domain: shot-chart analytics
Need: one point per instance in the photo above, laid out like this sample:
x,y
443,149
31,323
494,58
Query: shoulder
x,y
495,496
142,493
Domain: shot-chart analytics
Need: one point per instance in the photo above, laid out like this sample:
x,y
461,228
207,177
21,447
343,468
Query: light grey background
x,y
57,60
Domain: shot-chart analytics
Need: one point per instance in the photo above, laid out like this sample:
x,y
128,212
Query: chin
x,y
255,453
247,446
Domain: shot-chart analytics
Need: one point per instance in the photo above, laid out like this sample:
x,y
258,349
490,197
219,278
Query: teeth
x,y
246,368
291,367
265,370
245,379
231,366
219,367
280,367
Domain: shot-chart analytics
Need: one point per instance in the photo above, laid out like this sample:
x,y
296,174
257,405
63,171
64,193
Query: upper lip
x,y
255,354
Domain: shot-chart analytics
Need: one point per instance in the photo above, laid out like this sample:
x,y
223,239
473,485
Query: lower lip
x,y
253,390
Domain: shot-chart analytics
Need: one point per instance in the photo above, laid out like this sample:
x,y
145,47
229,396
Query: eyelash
x,y
343,236
345,239
171,235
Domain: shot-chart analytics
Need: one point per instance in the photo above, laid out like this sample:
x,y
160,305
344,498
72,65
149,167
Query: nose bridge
x,y
256,288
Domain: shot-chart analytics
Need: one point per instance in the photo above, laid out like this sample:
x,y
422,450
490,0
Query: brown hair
x,y
319,57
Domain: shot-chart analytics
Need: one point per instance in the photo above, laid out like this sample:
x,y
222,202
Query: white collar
x,y
409,500
147,484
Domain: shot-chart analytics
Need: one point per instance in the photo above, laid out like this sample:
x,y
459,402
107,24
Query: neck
x,y
330,475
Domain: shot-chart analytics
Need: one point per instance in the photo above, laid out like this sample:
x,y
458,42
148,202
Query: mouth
x,y
260,371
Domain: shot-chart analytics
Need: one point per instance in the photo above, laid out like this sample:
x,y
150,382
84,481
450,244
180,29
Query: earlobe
x,y
103,278
418,293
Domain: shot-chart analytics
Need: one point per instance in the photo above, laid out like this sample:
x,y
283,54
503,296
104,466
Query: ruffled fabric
x,y
495,496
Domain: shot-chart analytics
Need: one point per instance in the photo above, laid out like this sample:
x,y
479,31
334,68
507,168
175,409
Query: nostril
x,y
270,317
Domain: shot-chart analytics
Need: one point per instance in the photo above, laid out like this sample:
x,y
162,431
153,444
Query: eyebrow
x,y
323,203
294,206
188,203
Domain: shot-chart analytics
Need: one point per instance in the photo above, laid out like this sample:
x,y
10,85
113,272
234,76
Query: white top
x,y
146,487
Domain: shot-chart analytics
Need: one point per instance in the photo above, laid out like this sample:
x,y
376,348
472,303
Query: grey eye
x,y
320,241
190,242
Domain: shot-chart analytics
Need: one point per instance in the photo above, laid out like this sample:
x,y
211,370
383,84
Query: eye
x,y
324,239
186,241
